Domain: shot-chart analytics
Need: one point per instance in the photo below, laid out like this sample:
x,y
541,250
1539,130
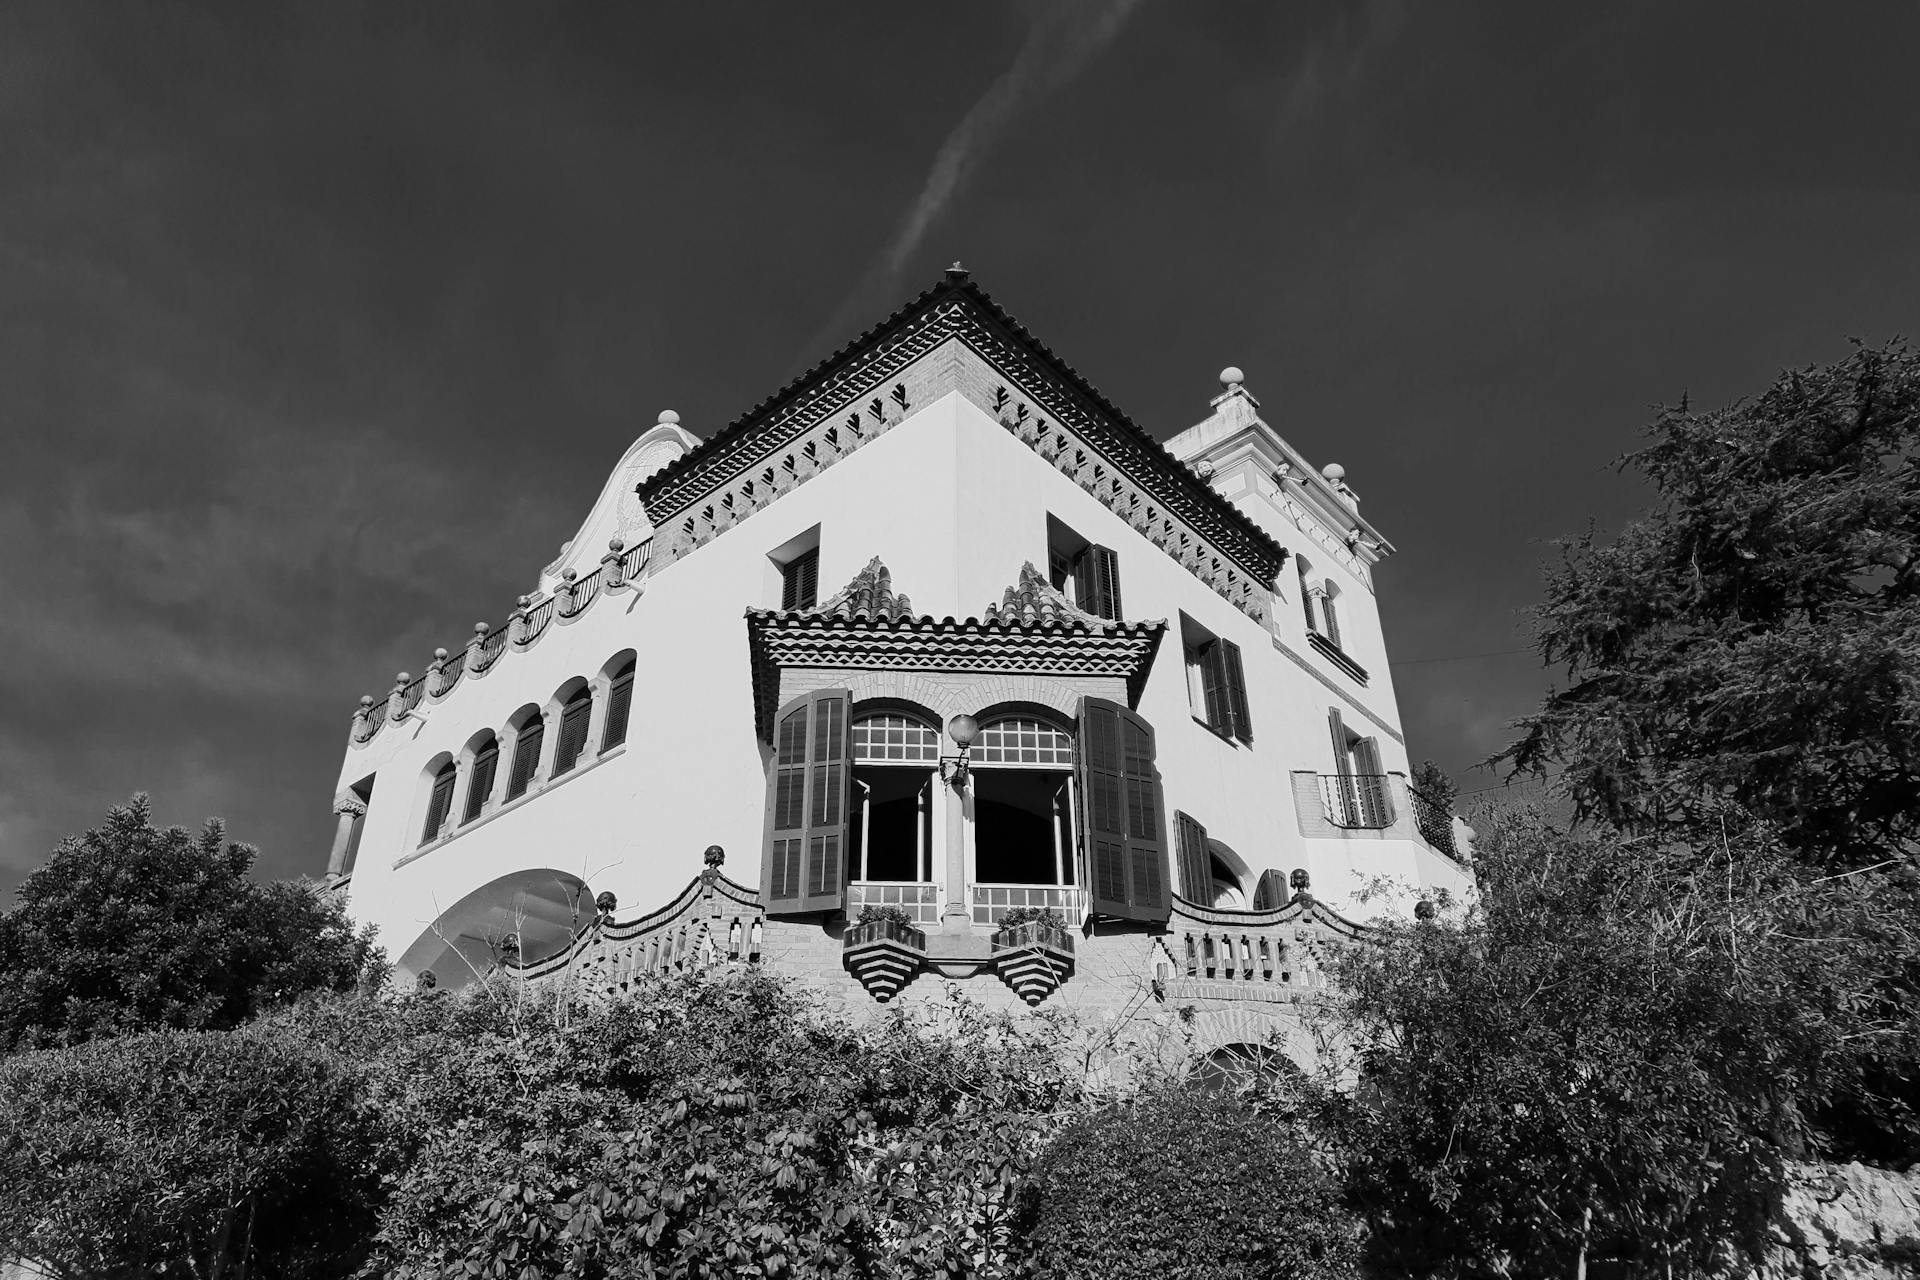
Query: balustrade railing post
x,y
435,670
563,598
361,716
476,646
517,621
613,566
396,700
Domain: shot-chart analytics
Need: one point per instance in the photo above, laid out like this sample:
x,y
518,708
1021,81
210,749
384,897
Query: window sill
x,y
1336,655
1219,733
532,793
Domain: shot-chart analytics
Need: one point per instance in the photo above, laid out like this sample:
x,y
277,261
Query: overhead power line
x,y
1461,657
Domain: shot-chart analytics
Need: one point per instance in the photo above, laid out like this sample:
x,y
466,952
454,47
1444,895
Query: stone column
x,y
596,717
957,914
350,811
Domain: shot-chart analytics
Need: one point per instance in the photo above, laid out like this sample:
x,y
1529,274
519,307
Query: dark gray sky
x,y
321,325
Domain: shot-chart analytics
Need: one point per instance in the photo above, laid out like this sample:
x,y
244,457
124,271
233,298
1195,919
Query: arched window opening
x,y
1226,885
439,802
894,757
1023,803
619,706
573,731
526,755
486,766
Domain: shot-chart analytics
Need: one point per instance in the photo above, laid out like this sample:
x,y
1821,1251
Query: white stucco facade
x,y
931,467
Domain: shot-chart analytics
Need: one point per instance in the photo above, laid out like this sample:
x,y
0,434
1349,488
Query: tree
x,y
1186,1182
1433,782
205,1154
1757,636
1608,1059
130,927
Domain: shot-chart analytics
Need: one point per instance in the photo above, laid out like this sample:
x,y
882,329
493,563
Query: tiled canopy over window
x,y
894,739
1018,741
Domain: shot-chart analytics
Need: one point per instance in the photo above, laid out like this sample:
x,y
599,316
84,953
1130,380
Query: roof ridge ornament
x,y
870,595
1034,599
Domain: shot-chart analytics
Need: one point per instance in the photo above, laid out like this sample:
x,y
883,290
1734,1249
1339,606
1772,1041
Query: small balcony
x,y
1434,822
884,956
1357,801
992,901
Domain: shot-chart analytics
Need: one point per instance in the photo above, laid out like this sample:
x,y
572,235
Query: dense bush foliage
x,y
1611,1055
129,927
191,1153
1186,1183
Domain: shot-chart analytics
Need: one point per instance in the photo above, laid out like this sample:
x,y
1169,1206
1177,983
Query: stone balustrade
x,y
621,569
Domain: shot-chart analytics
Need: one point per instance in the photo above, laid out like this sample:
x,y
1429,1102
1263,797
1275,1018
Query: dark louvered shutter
x,y
619,705
804,867
438,803
1271,894
1097,582
1196,860
800,586
1146,840
526,757
1306,592
1102,788
1213,681
1120,813
480,788
1234,690
573,735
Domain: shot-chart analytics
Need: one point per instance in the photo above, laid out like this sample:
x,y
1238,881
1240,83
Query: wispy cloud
x,y
1063,39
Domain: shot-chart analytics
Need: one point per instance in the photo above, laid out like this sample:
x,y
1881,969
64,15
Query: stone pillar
x,y
958,913
610,565
596,718
350,812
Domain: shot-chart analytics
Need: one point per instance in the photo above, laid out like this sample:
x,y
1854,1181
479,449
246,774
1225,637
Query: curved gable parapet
x,y
618,512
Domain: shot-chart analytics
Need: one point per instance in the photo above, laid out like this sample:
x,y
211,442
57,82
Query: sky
x,y
321,325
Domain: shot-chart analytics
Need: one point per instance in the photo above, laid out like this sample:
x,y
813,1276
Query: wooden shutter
x,y
439,803
1120,813
1212,677
1234,690
619,705
1306,593
1196,860
526,757
800,581
808,786
1272,892
485,766
573,735
1097,582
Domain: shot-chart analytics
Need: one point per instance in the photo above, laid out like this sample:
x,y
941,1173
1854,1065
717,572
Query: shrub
x,y
1032,915
1186,1182
871,914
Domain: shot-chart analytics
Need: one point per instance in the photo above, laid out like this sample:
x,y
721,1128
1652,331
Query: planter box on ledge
x,y
884,956
1033,958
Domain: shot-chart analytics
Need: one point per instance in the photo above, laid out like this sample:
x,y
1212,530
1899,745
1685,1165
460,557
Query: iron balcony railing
x,y
1434,821
1357,801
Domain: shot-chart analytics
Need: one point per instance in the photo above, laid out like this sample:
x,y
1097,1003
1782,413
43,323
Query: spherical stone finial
x,y
366,699
525,601
715,855
668,418
1231,376
1299,880
1334,472
401,679
427,981
606,902
481,628
439,655
616,543
569,574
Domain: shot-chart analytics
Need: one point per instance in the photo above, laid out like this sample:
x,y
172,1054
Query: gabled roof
x,y
1032,630
958,308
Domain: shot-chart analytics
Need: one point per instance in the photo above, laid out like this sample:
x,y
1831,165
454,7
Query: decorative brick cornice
x,y
845,401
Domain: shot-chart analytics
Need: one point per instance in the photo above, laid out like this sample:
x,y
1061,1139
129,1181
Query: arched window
x,y
619,706
486,767
1023,809
1024,741
1329,594
573,730
439,801
526,754
894,755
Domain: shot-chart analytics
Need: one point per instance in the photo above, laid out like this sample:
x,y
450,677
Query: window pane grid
x,y
894,739
991,901
1023,742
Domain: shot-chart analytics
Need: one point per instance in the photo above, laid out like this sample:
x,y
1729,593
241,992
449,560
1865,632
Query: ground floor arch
x,y
525,916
